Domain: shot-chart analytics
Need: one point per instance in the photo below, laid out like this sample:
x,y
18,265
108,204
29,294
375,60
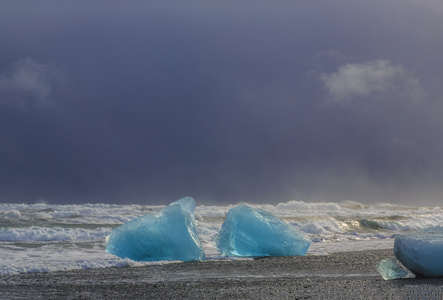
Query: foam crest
x,y
11,214
320,227
61,264
300,205
39,234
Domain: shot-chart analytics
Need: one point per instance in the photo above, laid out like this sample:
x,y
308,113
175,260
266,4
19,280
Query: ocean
x,y
47,238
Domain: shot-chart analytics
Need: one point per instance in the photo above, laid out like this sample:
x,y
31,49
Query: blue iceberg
x,y
421,251
256,232
389,269
170,234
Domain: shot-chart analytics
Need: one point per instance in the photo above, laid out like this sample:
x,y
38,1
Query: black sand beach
x,y
347,275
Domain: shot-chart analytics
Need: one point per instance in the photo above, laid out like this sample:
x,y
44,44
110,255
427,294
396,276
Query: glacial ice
x,y
389,269
255,232
170,234
421,251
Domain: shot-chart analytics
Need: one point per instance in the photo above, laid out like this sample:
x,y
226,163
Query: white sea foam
x,y
320,227
11,214
39,234
304,206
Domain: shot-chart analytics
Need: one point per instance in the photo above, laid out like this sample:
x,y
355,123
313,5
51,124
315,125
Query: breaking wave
x,y
39,234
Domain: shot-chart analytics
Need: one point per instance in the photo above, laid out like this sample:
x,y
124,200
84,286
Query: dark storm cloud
x,y
237,101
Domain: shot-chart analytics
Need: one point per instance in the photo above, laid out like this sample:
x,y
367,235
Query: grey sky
x,y
149,101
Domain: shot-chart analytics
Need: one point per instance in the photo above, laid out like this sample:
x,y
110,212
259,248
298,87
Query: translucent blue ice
x,y
170,234
389,269
255,232
421,251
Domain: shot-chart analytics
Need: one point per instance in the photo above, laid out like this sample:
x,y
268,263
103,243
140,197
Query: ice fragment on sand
x,y
421,251
389,269
170,234
256,232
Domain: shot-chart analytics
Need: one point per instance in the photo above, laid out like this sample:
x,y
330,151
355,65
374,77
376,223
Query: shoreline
x,y
341,275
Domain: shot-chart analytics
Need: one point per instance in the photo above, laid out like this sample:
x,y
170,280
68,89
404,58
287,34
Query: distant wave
x,y
300,205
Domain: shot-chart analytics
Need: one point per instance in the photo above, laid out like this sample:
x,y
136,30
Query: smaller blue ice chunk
x,y
170,234
421,251
389,269
255,232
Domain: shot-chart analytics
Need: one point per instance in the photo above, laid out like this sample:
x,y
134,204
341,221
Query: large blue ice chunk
x,y
255,232
421,251
170,234
389,269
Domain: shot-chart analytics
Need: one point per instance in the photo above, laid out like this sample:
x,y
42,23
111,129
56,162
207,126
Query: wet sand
x,y
347,275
